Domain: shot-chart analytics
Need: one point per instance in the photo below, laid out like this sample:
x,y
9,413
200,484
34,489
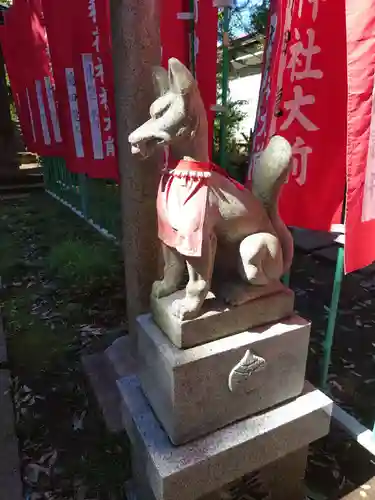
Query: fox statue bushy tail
x,y
268,177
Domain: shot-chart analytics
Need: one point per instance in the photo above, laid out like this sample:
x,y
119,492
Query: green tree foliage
x,y
250,18
247,18
259,17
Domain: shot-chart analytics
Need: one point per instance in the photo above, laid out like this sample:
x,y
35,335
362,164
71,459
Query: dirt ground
x,y
61,294
337,465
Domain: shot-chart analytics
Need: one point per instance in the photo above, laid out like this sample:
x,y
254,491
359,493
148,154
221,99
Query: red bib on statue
x,y
182,204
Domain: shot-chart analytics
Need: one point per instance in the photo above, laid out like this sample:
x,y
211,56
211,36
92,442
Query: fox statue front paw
x,y
187,308
162,289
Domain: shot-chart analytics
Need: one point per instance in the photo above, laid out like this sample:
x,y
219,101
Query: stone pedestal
x,y
280,480
205,466
199,390
264,305
233,407
103,370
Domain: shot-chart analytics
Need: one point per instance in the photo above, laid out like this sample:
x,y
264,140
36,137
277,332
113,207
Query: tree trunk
x,y
136,49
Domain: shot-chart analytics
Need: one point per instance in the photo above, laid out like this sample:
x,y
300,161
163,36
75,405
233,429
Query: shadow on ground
x,y
62,294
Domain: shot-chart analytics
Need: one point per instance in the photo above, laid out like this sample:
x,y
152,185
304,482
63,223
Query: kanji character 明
x,y
110,146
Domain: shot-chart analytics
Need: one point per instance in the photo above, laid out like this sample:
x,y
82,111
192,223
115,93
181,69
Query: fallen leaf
x,y
78,421
81,493
35,496
336,385
32,472
336,473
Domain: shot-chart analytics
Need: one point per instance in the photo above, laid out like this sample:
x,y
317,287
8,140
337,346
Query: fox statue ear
x,y
161,80
180,78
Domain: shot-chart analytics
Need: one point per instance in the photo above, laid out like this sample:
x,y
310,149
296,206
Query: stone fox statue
x,y
207,221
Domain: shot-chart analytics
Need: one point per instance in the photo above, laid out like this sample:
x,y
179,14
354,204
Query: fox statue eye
x,y
156,114
156,111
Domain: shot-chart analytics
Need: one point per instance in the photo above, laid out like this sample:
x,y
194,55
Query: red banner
x,y
174,32
305,99
84,81
28,64
80,48
175,24
92,60
360,202
268,89
11,53
174,41
58,23
206,20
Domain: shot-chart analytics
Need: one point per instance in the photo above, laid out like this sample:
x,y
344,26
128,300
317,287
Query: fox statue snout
x,y
171,122
158,130
145,140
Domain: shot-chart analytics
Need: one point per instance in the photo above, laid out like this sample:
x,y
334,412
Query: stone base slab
x,y
199,390
207,465
310,241
266,304
283,479
103,370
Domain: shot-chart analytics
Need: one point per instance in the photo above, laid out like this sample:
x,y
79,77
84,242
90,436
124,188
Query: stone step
x,y
27,176
31,167
21,181
206,465
20,188
14,196
25,157
18,192
103,370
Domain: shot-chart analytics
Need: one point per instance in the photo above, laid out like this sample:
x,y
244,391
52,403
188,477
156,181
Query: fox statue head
x,y
177,117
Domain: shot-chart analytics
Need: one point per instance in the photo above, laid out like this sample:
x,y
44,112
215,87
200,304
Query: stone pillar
x,y
136,49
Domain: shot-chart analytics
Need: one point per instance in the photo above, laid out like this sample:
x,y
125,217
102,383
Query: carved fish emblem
x,y
248,365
